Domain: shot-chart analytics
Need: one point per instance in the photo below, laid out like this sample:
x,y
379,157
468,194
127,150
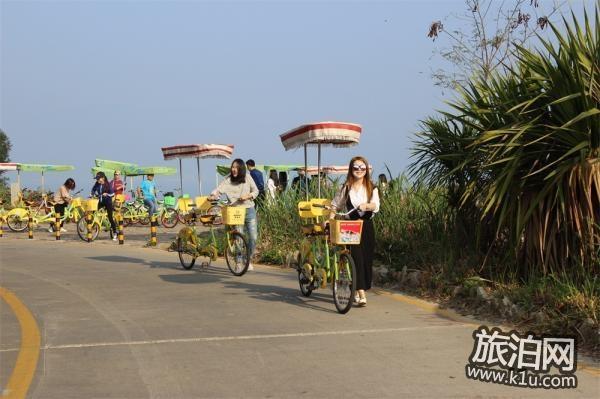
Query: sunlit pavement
x,y
128,322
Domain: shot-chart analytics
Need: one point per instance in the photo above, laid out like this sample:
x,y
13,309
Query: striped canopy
x,y
330,169
340,134
8,166
198,151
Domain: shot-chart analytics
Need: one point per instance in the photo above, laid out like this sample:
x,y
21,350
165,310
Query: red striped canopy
x,y
340,134
198,151
331,169
8,166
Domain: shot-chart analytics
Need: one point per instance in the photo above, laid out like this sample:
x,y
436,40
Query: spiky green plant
x,y
532,166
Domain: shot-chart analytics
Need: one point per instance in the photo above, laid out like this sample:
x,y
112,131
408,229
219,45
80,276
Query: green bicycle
x,y
237,252
323,254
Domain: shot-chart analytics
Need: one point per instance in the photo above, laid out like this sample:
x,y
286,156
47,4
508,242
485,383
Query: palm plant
x,y
532,164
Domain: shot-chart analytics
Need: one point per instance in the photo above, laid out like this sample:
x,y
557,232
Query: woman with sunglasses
x,y
358,191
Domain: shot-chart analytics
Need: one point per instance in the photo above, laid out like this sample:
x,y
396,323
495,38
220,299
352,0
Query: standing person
x,y
102,190
300,182
241,191
117,184
272,185
382,184
62,198
359,192
258,179
148,188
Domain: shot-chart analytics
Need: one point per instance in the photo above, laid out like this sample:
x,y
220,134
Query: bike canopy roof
x,y
198,151
338,134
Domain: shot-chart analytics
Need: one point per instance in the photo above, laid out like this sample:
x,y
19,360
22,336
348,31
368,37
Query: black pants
x,y
363,256
109,212
60,209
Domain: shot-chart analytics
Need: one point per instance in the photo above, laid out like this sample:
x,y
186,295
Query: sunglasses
x,y
359,167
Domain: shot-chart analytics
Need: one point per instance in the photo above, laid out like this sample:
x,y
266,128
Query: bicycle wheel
x,y
237,254
144,219
16,223
169,218
186,259
344,286
129,217
216,211
304,278
82,229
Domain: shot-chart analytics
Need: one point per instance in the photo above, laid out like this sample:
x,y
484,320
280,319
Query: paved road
x,y
127,322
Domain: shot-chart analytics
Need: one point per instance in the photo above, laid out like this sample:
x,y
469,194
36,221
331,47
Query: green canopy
x,y
32,167
42,168
106,171
113,165
136,171
149,170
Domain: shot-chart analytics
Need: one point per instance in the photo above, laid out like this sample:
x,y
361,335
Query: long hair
x,y
273,175
70,183
241,177
367,183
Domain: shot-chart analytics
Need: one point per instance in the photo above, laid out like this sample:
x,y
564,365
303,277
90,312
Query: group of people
x,y
105,191
244,186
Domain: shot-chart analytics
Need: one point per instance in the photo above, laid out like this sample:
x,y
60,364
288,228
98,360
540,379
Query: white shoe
x,y
356,299
50,230
115,238
362,302
63,230
250,267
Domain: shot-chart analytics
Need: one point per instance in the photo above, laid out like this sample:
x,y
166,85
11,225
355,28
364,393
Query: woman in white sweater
x,y
359,192
241,190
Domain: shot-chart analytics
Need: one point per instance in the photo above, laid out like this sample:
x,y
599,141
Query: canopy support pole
x,y
199,178
305,172
43,191
180,179
319,170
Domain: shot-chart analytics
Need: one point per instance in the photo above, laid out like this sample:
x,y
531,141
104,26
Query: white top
x,y
357,197
272,188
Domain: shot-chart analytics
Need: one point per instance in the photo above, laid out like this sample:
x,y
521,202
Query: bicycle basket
x,y
233,215
345,232
90,205
170,201
76,202
202,203
307,210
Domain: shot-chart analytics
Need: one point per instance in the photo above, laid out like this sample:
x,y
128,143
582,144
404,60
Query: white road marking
x,y
240,337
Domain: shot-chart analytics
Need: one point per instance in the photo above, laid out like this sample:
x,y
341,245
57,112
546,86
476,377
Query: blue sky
x,y
121,79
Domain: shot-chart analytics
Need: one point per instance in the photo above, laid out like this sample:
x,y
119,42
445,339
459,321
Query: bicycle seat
x,y
207,219
313,229
29,203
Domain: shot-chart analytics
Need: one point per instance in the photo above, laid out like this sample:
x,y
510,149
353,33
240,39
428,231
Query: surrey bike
x,y
191,246
323,255
18,218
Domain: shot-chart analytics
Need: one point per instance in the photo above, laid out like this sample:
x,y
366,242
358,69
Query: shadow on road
x,y
274,293
126,259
